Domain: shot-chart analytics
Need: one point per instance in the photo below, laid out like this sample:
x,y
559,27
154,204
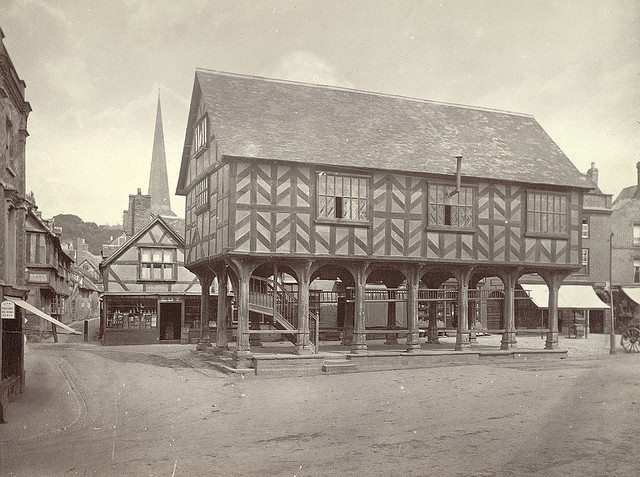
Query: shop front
x,y
148,318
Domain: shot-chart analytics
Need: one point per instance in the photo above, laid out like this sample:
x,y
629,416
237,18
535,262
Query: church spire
x,y
158,181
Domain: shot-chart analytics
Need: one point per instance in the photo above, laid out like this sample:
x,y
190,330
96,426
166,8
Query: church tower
x,y
158,181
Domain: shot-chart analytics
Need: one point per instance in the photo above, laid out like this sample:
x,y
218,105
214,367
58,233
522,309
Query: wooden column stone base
x,y
508,340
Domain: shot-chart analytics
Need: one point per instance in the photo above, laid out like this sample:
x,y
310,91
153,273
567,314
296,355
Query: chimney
x,y
638,167
593,173
139,191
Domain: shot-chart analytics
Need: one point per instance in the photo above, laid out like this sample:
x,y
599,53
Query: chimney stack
x,y
593,173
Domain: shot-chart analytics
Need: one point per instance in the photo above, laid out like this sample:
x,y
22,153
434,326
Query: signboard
x,y
8,310
38,277
170,299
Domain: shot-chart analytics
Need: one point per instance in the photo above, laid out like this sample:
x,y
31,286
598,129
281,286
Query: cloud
x,y
307,67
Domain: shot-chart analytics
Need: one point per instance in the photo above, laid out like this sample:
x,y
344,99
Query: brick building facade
x,y
14,203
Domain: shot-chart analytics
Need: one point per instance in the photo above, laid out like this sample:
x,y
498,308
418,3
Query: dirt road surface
x,y
155,411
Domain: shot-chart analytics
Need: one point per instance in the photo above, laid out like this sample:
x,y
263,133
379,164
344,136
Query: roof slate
x,y
282,120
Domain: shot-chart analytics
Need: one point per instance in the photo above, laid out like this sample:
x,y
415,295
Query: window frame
x,y
473,207
200,207
585,270
341,220
636,240
636,270
542,234
200,144
142,263
585,218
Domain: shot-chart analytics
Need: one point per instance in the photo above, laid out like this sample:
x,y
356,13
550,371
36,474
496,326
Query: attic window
x,y
200,137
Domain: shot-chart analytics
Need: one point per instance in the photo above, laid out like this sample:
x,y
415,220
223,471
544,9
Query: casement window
x,y
636,234
200,138
157,264
585,227
547,213
584,257
448,208
201,192
636,270
343,197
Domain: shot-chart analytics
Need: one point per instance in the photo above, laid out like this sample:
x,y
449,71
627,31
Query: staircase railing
x,y
272,298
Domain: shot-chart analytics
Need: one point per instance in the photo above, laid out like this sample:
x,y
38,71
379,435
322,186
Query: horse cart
x,y
630,340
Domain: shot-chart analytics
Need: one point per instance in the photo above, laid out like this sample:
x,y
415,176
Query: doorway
x,y
170,321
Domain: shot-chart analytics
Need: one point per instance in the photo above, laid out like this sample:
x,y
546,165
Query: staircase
x,y
270,298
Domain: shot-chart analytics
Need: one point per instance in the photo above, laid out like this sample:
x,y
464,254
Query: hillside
x,y
95,235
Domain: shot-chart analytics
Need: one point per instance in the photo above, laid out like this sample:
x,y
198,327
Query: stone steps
x,y
338,366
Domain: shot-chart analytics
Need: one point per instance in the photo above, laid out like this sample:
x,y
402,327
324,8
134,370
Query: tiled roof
x,y
628,193
283,120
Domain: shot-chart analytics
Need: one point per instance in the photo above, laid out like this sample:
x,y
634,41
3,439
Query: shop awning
x,y
633,293
32,309
575,297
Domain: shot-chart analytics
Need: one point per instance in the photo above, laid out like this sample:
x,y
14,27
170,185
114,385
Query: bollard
x,y
86,330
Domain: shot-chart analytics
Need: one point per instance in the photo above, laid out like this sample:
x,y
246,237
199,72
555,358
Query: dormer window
x,y
200,135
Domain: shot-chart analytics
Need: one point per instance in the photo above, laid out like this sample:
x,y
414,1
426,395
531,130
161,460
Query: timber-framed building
x,y
327,183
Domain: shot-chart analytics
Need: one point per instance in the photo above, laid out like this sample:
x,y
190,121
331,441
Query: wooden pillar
x,y
243,311
303,273
463,275
553,280
413,282
204,341
473,304
432,334
509,280
222,339
360,314
392,338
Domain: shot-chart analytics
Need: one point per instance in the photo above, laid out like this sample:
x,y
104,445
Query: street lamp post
x,y
612,332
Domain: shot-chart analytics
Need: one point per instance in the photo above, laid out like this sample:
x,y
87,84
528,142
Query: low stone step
x,y
338,366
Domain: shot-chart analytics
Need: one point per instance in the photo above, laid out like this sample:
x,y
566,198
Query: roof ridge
x,y
361,91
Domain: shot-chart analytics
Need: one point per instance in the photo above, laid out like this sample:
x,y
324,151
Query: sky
x,y
93,71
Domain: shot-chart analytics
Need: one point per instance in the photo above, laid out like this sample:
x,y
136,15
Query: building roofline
x,y
360,91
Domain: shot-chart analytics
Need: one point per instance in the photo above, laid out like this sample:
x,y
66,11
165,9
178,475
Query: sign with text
x,y
38,277
8,310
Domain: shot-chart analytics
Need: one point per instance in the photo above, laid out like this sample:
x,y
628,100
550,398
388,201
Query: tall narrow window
x,y
547,213
636,234
202,194
157,264
585,227
449,208
636,270
200,135
342,197
585,261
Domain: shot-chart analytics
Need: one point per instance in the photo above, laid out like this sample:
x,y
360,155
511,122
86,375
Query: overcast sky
x,y
93,70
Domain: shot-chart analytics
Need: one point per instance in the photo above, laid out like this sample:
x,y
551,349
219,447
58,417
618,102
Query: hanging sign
x,y
8,310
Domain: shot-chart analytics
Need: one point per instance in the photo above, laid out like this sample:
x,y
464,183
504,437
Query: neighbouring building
x,y
149,296
48,273
14,111
370,189
84,301
625,227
